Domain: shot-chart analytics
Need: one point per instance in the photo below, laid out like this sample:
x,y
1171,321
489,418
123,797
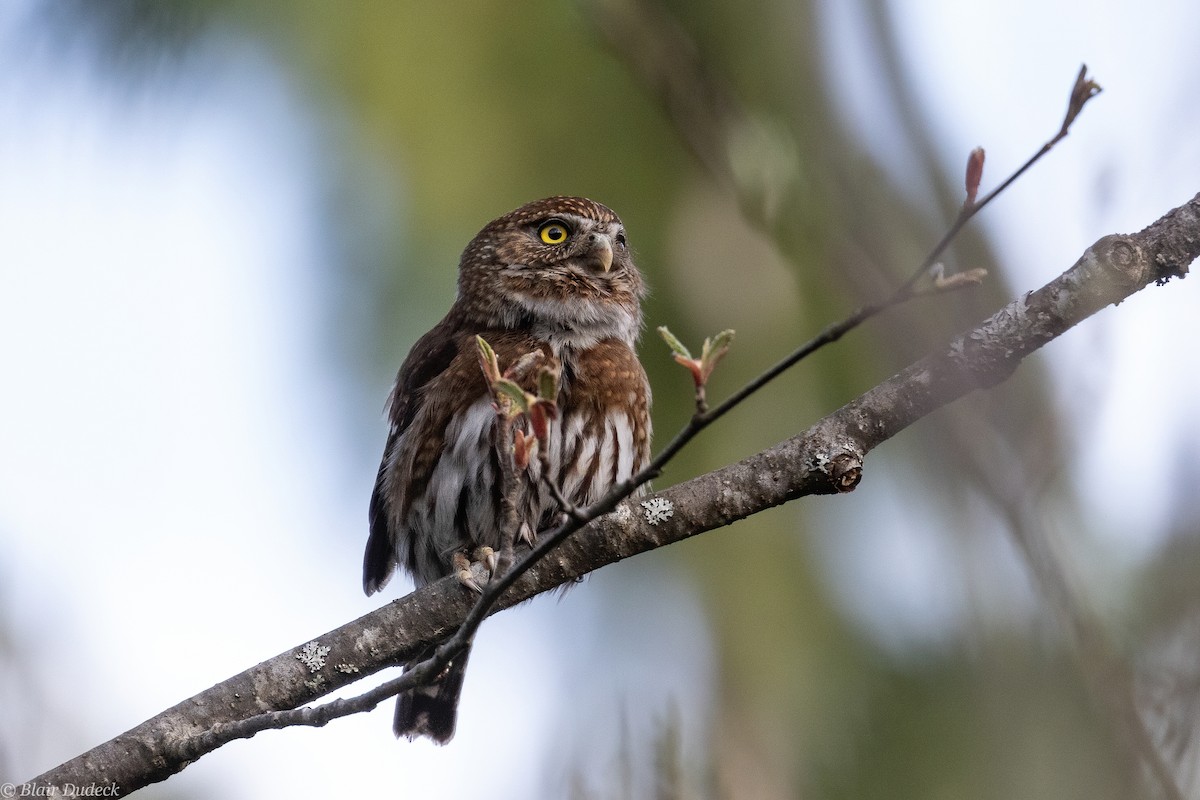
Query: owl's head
x,y
559,266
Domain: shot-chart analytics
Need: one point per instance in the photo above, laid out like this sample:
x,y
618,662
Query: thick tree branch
x,y
825,459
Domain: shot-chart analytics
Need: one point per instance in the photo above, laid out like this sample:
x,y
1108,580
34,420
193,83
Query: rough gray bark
x,y
825,459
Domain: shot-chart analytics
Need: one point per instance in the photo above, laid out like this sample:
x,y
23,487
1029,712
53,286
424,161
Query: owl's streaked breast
x,y
601,437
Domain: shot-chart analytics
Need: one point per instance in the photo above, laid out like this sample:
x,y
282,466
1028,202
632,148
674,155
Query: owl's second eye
x,y
553,232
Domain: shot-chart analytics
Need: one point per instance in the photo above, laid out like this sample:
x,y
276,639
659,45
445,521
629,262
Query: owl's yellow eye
x,y
553,232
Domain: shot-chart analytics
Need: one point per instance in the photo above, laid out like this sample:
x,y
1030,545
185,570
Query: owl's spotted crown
x,y
549,206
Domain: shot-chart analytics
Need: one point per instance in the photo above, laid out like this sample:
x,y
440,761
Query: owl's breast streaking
x,y
602,436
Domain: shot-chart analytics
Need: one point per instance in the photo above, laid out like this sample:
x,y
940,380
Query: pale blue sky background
x,y
160,292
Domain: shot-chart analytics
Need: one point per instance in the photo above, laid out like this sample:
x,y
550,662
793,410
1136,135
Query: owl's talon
x,y
484,557
468,580
487,556
526,534
465,573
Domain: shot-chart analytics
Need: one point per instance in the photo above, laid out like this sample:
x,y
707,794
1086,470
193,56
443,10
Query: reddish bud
x,y
974,175
540,415
694,366
524,448
714,350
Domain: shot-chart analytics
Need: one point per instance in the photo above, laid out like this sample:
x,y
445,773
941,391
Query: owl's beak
x,y
602,251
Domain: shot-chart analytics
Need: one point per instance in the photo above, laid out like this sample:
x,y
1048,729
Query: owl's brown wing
x,y
429,357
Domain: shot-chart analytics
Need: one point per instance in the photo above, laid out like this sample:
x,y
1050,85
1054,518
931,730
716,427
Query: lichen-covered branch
x,y
827,458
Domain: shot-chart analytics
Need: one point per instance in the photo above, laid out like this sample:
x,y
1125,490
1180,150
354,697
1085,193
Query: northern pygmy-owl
x,y
555,275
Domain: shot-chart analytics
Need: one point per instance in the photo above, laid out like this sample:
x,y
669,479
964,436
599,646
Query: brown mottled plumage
x,y
556,276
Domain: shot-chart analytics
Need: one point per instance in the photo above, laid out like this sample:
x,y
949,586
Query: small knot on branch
x,y
846,471
1123,259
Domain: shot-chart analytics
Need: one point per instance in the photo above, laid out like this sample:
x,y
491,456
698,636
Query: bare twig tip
x,y
1085,89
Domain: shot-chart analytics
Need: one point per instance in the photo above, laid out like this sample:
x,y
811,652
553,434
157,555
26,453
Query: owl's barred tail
x,y
432,710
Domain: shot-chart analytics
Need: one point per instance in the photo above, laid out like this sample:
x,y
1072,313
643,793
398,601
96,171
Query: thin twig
x,y
510,489
1082,90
